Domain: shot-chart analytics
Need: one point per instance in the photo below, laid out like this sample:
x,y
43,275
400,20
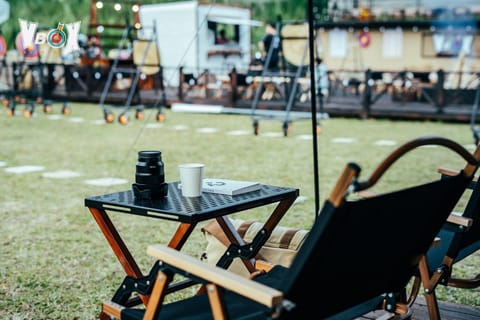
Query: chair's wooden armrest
x,y
113,309
452,172
221,277
448,172
459,220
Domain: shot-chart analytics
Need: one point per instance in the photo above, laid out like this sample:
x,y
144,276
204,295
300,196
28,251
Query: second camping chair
x,y
358,255
459,238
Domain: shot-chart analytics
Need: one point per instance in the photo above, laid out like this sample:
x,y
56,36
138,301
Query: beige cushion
x,y
280,248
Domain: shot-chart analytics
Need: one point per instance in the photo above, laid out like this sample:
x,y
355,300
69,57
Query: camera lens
x,y
149,176
150,168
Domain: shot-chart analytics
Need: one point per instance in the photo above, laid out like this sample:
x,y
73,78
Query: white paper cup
x,y
191,177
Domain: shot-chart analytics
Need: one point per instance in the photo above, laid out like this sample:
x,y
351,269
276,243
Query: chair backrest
x,y
146,56
472,236
359,249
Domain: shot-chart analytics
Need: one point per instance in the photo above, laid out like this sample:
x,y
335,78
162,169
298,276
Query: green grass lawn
x,y
56,264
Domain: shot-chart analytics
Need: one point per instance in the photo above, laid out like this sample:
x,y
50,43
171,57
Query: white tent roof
x,y
233,20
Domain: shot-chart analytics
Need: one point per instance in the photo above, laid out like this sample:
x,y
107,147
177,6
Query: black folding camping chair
x,y
358,257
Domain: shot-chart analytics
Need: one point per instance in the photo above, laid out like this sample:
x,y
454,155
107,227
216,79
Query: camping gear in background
x,y
294,46
128,78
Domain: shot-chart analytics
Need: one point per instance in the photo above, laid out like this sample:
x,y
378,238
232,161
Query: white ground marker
x,y
106,181
24,169
54,117
207,130
343,140
76,120
61,174
385,142
154,125
180,127
238,132
272,134
304,137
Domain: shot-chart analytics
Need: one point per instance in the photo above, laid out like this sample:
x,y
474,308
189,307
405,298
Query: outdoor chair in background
x,y
358,257
459,238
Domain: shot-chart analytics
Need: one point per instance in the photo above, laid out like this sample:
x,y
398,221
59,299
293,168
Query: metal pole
x,y
311,35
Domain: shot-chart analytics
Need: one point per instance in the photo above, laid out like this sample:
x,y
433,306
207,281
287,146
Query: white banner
x,y
337,43
392,43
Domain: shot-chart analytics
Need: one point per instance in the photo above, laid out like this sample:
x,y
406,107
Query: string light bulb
x,y
99,4
117,6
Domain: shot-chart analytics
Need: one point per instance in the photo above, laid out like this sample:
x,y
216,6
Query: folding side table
x,y
188,212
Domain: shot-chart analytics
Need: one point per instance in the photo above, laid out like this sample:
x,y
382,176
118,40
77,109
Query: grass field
x,y
56,264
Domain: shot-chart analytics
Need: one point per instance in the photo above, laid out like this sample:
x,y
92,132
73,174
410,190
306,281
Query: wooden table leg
x,y
278,214
181,235
118,246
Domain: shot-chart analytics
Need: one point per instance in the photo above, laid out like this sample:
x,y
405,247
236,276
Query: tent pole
x,y
313,100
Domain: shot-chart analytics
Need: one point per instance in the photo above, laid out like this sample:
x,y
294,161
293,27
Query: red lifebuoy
x,y
364,39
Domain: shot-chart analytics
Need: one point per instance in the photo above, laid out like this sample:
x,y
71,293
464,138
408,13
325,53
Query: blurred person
x,y
222,38
270,44
321,77
321,82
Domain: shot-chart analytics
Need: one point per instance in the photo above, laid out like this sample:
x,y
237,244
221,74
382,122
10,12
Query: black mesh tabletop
x,y
178,208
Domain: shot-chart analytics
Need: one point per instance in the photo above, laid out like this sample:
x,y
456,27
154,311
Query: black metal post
x,y
313,86
367,94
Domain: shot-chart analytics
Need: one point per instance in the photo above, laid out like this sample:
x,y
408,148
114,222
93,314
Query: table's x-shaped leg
x,y
135,276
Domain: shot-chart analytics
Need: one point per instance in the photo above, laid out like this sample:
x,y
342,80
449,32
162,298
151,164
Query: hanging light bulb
x,y
99,4
135,8
117,6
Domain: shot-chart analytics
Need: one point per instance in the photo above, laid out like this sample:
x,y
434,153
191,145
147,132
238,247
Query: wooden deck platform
x,y
86,84
338,105
448,311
